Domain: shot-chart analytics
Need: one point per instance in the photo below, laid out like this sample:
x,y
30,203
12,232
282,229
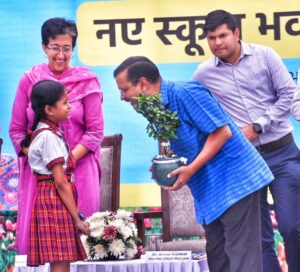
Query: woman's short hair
x,y
58,26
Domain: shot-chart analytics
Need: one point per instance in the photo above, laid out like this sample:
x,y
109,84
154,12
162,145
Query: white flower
x,y
122,214
130,253
117,247
98,216
126,232
97,224
100,251
131,225
118,223
85,244
131,242
134,229
3,247
96,232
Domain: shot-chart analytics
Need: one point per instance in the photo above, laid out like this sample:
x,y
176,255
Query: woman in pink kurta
x,y
83,131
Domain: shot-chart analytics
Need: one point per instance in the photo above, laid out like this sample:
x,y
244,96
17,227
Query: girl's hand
x,y
71,161
83,227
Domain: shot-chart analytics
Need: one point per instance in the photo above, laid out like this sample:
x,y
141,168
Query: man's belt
x,y
265,148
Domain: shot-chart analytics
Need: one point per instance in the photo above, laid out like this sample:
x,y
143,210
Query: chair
x,y
110,172
178,221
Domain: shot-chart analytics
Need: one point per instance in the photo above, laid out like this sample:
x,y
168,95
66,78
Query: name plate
x,y
167,256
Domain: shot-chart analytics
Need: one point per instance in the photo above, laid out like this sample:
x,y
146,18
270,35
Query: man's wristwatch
x,y
257,128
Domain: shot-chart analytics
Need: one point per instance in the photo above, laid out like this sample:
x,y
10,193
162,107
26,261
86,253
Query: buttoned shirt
x,y
234,172
256,89
295,110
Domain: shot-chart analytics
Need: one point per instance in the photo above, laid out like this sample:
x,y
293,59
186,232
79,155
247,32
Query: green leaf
x,y
162,122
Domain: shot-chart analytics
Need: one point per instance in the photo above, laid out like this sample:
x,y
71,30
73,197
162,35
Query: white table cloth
x,y
121,266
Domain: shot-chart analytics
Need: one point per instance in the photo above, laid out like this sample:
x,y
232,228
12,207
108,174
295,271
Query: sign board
x,y
167,256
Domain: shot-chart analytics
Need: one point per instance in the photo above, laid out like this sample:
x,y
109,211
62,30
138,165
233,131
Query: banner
x,y
172,31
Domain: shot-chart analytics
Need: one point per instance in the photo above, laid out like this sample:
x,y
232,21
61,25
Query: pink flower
x,y
2,231
147,223
139,252
109,233
155,209
9,225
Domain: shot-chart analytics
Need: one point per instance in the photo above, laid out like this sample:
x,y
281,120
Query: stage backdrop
x,y
170,32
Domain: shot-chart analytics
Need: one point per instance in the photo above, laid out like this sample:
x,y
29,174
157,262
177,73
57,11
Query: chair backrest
x,y
110,164
179,219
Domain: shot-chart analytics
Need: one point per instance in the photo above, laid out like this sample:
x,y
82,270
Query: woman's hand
x,y
79,151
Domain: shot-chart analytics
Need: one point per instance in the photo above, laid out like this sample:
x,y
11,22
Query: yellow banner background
x,y
97,51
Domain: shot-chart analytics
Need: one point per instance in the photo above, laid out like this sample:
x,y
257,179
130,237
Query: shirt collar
x,y
53,126
164,92
245,50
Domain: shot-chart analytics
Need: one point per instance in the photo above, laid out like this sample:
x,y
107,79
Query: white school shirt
x,y
45,148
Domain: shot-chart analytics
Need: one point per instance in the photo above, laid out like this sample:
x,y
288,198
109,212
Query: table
x,y
121,266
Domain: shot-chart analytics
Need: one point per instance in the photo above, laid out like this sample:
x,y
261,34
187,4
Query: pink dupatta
x,y
79,82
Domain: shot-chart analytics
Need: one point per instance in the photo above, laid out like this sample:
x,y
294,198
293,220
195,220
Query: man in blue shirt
x,y
253,85
224,171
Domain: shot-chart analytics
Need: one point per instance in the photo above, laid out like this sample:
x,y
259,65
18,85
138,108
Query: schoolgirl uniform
x,y
53,236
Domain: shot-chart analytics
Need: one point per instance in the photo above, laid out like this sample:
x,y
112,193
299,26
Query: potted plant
x,y
162,126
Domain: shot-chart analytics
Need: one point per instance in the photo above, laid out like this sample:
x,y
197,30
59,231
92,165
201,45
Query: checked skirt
x,y
53,236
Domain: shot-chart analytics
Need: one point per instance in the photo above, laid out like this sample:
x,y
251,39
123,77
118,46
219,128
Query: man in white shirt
x,y
295,109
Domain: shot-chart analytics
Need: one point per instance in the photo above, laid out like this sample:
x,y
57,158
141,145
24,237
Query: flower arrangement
x,y
112,235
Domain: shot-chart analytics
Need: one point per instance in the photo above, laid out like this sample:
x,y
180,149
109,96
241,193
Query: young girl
x,y
55,223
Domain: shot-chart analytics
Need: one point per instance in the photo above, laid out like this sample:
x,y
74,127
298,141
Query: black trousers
x,y
234,239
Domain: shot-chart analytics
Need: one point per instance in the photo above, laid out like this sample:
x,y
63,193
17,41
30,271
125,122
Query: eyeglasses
x,y
66,49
